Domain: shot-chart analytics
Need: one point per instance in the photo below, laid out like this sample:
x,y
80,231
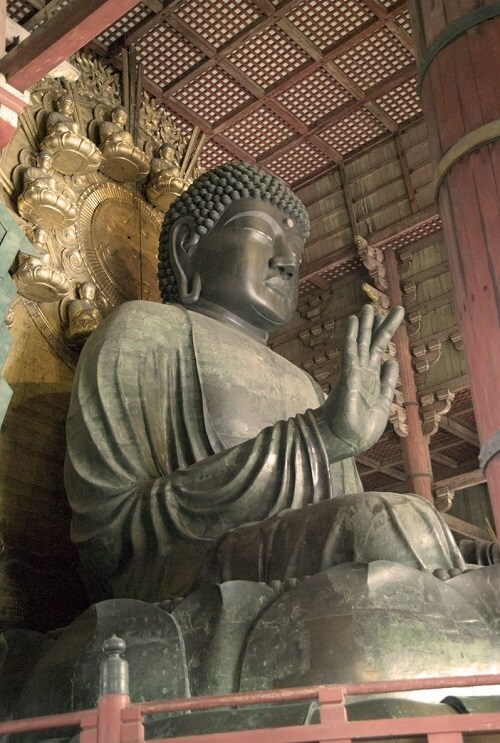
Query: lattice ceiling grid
x,y
294,85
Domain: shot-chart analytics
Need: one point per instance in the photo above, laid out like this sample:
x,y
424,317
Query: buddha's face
x,y
119,116
249,263
66,106
45,161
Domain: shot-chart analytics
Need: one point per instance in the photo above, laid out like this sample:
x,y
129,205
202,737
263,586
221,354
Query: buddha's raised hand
x,y
355,413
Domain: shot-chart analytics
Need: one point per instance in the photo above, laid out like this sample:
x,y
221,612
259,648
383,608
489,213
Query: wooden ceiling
x,y
296,86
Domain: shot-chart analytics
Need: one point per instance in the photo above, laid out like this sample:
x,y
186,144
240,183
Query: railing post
x,y
332,711
114,694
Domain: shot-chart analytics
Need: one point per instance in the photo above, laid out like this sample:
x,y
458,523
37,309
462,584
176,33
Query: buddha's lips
x,y
278,285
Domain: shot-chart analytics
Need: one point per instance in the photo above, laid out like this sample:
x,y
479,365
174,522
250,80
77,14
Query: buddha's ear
x,y
183,243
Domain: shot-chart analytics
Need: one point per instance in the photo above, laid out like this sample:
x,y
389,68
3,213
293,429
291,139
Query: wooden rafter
x,y
63,34
457,429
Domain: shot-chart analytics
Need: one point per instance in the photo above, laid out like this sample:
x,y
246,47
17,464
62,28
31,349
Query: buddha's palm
x,y
356,411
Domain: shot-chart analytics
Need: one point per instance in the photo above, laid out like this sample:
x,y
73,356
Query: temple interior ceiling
x,y
324,94
296,86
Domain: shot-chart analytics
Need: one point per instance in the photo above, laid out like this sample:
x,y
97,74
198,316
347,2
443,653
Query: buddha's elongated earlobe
x,y
182,246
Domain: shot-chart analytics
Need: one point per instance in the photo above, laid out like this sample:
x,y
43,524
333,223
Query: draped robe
x,y
192,454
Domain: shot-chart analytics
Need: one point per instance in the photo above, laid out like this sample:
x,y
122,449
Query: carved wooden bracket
x,y
379,299
373,260
397,416
410,293
443,498
426,355
415,320
456,339
406,257
434,406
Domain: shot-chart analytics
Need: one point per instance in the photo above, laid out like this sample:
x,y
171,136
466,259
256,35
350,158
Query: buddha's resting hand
x,y
355,413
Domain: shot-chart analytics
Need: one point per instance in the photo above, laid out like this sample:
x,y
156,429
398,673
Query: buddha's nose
x,y
285,266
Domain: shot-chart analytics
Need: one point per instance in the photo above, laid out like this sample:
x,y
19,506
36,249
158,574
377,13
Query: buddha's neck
x,y
210,309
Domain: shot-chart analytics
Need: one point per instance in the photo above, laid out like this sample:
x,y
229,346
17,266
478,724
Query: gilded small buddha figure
x,y
72,152
114,131
62,120
83,315
46,200
122,160
165,184
37,278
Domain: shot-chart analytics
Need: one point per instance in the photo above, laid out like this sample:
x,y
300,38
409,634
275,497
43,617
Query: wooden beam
x,y
330,261
348,252
427,273
62,35
376,466
319,282
443,459
348,201
464,480
406,174
451,426
470,531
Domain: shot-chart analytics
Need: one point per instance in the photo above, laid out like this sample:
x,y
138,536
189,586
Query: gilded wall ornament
x,y
117,233
76,173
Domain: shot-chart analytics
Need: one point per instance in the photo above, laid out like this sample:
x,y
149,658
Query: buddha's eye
x,y
259,235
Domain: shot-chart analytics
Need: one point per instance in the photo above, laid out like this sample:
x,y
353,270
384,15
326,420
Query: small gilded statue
x,y
37,278
165,181
72,153
83,315
122,160
44,200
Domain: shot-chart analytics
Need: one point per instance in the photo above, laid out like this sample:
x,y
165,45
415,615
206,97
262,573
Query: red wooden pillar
x,y
415,446
457,48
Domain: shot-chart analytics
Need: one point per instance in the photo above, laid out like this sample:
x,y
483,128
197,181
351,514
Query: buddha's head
x,y
45,160
66,105
119,116
86,290
167,151
40,236
232,243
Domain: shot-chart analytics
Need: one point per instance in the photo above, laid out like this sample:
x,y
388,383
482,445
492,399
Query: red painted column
x,y
457,48
415,446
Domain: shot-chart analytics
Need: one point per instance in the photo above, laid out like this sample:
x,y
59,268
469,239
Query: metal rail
x,y
117,720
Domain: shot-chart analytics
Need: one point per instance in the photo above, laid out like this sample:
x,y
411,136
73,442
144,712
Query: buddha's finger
x,y
365,333
350,344
384,333
388,380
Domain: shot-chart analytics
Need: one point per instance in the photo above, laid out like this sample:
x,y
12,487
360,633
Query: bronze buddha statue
x,y
257,441
200,464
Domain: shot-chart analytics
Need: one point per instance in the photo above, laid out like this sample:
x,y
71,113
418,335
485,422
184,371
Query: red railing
x,y
117,720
